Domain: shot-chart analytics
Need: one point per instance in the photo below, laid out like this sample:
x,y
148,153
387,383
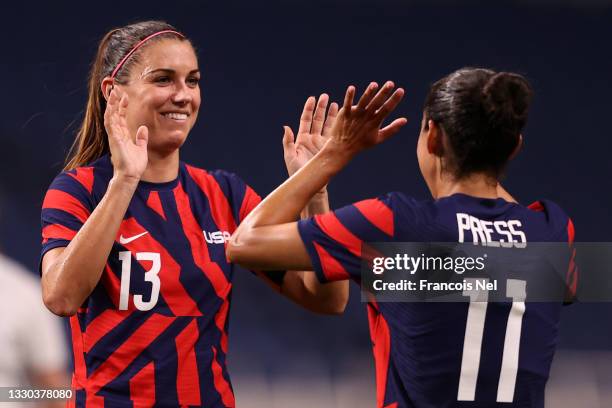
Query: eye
x,y
193,81
164,79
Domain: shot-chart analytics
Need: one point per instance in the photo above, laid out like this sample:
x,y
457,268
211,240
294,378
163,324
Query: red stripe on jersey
x,y
249,202
220,319
79,377
178,299
57,231
187,378
570,231
121,358
142,387
221,385
60,200
104,323
220,209
334,229
199,248
154,203
85,176
94,401
572,270
332,269
536,206
394,405
378,214
381,339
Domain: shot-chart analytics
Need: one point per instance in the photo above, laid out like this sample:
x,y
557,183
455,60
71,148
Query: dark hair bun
x,y
482,113
506,98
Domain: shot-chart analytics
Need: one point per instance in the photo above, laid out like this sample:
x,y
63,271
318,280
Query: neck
x,y
161,168
477,185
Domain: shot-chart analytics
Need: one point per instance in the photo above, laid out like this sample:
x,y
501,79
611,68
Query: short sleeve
x,y
335,240
67,205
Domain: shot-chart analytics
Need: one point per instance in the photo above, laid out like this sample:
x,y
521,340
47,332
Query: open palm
x,y
314,130
129,154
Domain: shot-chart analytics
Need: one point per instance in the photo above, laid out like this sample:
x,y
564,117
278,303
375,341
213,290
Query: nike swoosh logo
x,y
124,241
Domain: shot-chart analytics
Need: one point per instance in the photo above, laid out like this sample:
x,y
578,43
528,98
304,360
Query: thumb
x,y
390,130
142,136
288,138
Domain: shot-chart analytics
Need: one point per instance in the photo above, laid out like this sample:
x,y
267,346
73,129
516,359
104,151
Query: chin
x,y
168,143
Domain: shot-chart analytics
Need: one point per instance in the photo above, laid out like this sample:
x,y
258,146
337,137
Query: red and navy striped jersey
x,y
428,354
154,330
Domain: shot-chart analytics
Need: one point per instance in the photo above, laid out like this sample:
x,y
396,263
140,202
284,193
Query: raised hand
x,y
314,131
129,154
358,127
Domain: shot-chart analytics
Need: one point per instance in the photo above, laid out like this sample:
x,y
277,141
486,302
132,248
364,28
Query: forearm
x,y
304,287
72,275
286,202
319,204
265,239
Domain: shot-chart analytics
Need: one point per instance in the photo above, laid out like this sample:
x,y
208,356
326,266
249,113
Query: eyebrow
x,y
170,71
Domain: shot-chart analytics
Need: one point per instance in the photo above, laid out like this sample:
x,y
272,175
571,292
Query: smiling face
x,y
164,93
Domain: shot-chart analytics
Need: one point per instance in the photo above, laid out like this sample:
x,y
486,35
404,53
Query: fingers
x,y
331,118
122,108
381,96
390,104
367,96
288,138
115,115
306,118
142,136
391,129
319,115
348,99
111,106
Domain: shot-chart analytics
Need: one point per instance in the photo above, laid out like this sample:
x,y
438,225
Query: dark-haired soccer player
x,y
428,354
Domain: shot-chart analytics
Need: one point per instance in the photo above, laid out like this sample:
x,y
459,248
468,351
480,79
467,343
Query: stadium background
x,y
260,61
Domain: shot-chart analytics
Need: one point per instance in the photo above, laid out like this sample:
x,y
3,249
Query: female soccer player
x,y
428,354
134,239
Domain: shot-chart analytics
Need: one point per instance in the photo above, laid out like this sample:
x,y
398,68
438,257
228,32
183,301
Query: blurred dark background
x,y
261,60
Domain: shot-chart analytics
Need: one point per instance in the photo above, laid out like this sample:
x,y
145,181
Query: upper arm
x,y
334,241
67,205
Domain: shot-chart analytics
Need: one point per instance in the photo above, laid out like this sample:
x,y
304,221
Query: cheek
x,y
196,100
195,106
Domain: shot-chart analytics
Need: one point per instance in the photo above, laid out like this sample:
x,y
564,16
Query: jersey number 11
x,y
515,289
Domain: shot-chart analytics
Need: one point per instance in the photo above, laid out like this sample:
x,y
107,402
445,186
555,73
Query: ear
x,y
107,87
518,147
434,139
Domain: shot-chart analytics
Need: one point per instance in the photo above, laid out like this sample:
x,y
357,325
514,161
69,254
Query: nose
x,y
182,94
